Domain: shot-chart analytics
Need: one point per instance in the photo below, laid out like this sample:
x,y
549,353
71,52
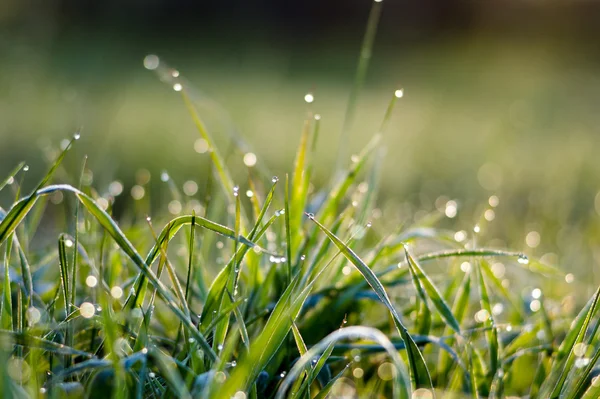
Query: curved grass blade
x,y
418,369
423,280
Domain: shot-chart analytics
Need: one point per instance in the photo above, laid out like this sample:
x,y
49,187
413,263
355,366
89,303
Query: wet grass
x,y
240,284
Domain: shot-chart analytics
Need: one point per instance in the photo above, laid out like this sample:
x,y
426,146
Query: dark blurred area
x,y
501,97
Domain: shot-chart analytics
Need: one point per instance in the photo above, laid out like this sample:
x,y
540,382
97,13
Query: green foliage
x,y
318,302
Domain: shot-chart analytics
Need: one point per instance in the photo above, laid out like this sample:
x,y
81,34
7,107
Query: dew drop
x,y
282,375
148,219
220,347
77,136
399,93
275,179
25,168
523,259
164,176
177,87
309,98
310,215
369,224
236,191
151,62
302,257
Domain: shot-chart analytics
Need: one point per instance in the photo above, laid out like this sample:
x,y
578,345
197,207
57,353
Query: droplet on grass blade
x,y
523,259
309,98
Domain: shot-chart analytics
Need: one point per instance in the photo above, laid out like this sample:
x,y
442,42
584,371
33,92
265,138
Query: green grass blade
x,y
419,372
432,291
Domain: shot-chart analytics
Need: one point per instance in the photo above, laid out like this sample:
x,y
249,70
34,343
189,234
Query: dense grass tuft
x,y
274,289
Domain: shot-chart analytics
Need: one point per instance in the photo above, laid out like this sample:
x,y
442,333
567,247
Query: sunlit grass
x,y
240,284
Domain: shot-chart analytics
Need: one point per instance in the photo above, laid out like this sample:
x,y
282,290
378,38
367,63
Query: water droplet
x,y
148,219
302,257
77,136
91,281
175,73
282,375
25,168
164,176
233,363
476,229
236,191
250,159
220,347
151,62
399,93
191,340
309,98
536,293
68,243
151,374
275,179
317,117
310,215
523,259
369,224
177,87
249,193
144,350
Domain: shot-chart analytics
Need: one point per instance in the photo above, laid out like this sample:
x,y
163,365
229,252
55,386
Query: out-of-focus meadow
x,y
499,99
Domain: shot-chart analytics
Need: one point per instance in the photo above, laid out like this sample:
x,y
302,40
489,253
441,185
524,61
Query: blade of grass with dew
x,y
219,284
432,291
459,309
492,333
6,319
25,271
302,349
11,176
299,190
418,369
224,176
64,271
565,356
288,233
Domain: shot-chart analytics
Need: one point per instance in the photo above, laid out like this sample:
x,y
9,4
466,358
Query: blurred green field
x,y
486,175
511,116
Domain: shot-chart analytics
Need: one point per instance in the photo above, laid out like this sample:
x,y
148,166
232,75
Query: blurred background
x,y
500,98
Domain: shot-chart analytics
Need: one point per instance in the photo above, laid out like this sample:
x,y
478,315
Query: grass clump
x,y
273,292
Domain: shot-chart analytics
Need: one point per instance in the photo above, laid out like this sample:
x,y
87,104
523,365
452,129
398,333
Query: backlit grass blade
x,y
299,186
459,309
64,271
492,332
25,270
418,369
432,292
564,358
6,318
224,176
